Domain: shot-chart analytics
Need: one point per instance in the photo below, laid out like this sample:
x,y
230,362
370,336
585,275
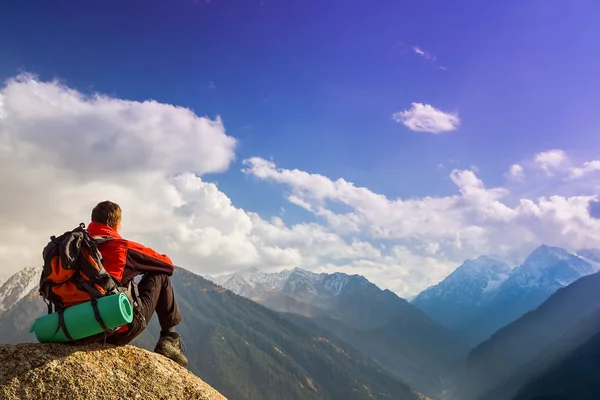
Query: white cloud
x,y
515,173
476,220
588,167
63,152
426,55
426,118
556,161
551,160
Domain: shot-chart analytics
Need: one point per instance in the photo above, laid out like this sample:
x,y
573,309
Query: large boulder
x,y
95,371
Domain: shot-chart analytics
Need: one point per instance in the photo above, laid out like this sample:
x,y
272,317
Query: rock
x,y
95,371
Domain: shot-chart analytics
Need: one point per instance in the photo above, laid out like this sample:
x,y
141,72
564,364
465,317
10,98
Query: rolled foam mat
x,y
115,310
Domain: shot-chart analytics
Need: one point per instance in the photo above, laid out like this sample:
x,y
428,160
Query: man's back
x,y
125,259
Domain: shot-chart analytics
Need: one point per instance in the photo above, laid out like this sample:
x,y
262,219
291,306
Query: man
x,y
124,260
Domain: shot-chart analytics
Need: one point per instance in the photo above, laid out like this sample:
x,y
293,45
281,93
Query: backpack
x,y
73,273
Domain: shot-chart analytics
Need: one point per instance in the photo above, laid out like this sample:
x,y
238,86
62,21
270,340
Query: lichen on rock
x,y
95,371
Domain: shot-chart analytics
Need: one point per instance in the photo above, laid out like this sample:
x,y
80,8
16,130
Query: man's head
x,y
107,213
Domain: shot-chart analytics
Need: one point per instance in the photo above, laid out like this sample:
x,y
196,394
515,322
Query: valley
x,y
256,335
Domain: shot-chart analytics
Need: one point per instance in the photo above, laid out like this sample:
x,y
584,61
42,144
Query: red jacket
x,y
125,259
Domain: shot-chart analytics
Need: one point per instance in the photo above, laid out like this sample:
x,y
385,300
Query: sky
x,y
390,139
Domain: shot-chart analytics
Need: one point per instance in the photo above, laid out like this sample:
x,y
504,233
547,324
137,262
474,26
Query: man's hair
x,y
107,213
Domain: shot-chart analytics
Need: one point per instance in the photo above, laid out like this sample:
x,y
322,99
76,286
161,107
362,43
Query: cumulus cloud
x,y
425,118
588,167
551,160
62,152
515,173
475,220
557,162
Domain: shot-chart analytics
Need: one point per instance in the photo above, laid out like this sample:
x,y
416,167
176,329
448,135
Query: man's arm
x,y
141,259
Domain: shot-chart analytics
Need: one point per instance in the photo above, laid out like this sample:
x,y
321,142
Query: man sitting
x,y
124,260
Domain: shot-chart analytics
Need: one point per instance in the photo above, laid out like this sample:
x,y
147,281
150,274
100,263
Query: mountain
x,y
377,322
543,272
590,255
17,286
483,295
297,283
575,377
525,347
458,299
95,371
16,321
247,351
551,355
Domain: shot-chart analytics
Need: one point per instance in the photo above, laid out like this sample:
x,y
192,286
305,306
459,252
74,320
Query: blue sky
x,y
313,85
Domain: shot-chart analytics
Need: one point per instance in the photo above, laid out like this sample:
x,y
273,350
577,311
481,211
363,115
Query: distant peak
x,y
482,262
547,248
485,258
544,250
302,272
247,271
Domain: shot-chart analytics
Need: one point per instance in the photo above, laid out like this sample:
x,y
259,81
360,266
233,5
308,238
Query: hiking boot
x,y
172,347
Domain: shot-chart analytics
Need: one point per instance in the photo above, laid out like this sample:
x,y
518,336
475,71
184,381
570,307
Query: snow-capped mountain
x,y
459,296
483,295
377,322
18,286
590,255
297,282
530,345
469,283
548,267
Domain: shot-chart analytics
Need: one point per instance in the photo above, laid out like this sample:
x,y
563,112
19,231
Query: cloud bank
x,y
62,151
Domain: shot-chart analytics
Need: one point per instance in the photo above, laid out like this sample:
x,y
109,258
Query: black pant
x,y
155,294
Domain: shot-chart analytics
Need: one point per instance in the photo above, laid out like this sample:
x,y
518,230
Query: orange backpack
x,y
73,273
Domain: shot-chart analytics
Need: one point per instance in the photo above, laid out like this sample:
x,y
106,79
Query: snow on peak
x,y
470,282
545,254
18,286
483,264
334,283
590,255
290,281
552,267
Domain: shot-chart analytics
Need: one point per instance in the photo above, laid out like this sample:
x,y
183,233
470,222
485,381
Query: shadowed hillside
x,y
247,351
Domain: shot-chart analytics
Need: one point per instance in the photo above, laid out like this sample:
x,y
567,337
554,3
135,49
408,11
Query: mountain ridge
x,y
575,376
245,350
377,322
18,286
468,304
522,348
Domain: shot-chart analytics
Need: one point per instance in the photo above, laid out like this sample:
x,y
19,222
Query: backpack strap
x,y
102,239
61,325
97,314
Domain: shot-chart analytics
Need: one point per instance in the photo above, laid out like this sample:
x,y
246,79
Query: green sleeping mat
x,y
115,310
